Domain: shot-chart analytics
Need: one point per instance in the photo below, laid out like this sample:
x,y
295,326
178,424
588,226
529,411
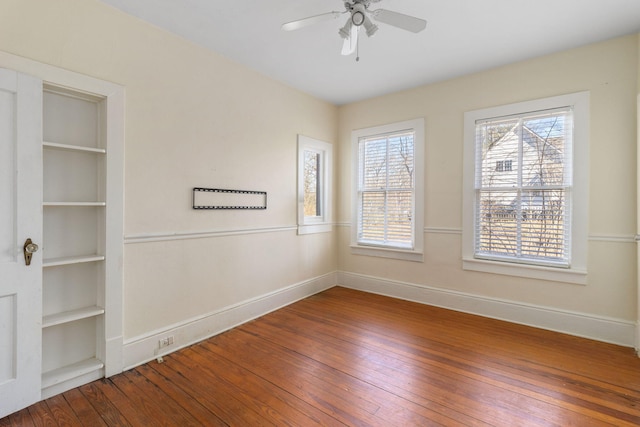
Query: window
x,y
526,189
504,165
314,182
388,197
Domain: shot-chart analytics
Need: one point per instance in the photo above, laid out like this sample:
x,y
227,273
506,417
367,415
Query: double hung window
x,y
525,184
388,197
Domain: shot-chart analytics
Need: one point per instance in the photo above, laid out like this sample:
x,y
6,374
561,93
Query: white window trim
x,y
415,254
577,271
322,223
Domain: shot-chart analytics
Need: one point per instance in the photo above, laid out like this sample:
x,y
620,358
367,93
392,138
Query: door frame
x,y
114,96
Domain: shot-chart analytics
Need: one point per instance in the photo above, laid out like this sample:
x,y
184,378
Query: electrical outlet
x,y
165,342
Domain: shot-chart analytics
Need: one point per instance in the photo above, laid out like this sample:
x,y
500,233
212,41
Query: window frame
x,y
576,271
319,223
410,254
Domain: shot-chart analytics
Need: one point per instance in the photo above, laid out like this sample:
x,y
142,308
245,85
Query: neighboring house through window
x,y
388,190
525,198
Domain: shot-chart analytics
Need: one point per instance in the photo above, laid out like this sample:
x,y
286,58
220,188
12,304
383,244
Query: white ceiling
x,y
462,36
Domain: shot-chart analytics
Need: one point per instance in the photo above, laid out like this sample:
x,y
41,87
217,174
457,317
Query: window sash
x,y
386,190
523,185
312,184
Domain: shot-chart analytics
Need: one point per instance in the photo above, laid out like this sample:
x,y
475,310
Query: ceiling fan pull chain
x,y
358,48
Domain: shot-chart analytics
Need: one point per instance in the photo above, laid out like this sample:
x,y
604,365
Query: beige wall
x,y
609,70
193,118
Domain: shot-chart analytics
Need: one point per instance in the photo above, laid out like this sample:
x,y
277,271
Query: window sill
x,y
405,255
314,228
566,275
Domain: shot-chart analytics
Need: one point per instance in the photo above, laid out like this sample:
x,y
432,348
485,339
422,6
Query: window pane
x,y
497,230
311,183
543,224
372,219
499,142
543,150
401,161
374,163
399,217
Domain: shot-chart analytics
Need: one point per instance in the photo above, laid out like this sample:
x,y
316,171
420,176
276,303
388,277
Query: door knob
x,y
29,248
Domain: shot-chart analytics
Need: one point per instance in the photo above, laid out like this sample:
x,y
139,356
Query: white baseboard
x,y
615,331
78,381
139,350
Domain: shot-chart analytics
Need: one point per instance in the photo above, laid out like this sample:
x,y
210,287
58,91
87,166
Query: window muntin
x,y
522,209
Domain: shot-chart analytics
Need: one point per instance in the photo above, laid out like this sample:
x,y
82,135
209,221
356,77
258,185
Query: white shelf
x,y
69,147
63,204
53,262
71,316
70,372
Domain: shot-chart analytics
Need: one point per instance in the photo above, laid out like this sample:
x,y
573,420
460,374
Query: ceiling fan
x,y
359,16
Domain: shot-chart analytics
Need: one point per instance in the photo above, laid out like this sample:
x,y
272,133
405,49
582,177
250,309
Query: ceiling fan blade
x,y
351,43
406,22
300,23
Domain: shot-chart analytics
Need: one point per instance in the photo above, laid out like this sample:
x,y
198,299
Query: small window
x,y
314,177
388,197
504,165
526,189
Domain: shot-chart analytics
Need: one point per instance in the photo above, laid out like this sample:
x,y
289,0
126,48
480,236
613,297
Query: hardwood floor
x,y
344,357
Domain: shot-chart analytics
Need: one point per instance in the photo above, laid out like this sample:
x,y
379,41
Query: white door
x,y
20,219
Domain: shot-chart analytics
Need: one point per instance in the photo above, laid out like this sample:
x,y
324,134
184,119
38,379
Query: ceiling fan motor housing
x,y
357,14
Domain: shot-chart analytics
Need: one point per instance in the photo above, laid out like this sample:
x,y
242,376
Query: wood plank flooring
x,y
344,357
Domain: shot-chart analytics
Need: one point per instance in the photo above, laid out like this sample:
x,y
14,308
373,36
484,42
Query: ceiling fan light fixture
x,y
358,18
370,27
345,32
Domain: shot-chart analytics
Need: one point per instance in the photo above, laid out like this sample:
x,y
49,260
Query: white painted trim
x,y
443,230
72,383
554,274
612,238
579,189
637,236
324,227
616,331
143,348
59,76
411,254
202,234
321,224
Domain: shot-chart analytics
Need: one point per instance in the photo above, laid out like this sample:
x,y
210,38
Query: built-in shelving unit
x,y
53,262
74,252
55,145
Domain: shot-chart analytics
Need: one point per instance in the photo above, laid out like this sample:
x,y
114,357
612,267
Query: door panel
x,y
7,177
20,218
7,338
